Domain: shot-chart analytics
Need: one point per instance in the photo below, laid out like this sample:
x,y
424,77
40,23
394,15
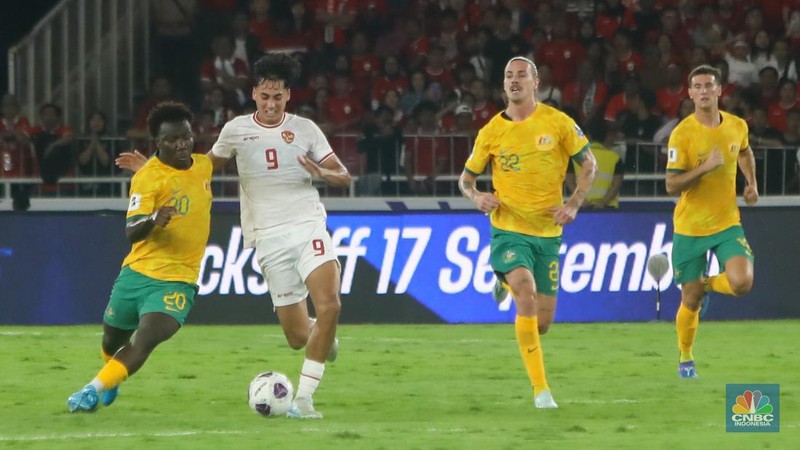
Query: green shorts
x,y
538,254
135,295
689,260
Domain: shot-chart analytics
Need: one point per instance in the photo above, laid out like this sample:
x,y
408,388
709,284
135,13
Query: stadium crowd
x,y
398,80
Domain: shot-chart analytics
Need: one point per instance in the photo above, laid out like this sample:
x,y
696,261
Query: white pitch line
x,y
600,402
20,333
58,437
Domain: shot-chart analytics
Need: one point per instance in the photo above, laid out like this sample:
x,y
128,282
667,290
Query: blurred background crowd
x,y
401,87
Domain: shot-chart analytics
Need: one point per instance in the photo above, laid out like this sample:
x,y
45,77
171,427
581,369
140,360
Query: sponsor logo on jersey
x,y
287,136
250,138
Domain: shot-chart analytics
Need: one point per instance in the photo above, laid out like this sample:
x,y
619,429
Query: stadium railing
x,y
426,165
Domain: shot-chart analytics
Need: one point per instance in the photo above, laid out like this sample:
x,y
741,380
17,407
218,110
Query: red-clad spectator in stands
x,y
622,101
608,18
415,50
562,53
337,18
160,90
364,65
205,130
15,147
52,142
260,24
587,95
448,117
287,33
436,69
225,70
669,97
465,75
787,101
427,155
629,61
484,108
390,79
343,108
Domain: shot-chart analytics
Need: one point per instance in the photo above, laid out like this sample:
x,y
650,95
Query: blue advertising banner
x,y
442,261
399,267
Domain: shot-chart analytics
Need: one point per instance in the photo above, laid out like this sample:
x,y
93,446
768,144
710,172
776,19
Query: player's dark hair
x,y
276,67
705,69
167,112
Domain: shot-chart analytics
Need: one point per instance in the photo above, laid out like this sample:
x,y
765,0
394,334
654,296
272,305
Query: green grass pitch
x,y
405,387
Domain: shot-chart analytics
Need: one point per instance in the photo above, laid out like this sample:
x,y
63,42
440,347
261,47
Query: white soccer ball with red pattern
x,y
270,394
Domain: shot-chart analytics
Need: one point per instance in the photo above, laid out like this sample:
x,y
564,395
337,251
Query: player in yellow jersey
x,y
168,223
529,145
704,151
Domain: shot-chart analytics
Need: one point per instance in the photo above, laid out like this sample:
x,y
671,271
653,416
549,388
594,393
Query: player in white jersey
x,y
277,155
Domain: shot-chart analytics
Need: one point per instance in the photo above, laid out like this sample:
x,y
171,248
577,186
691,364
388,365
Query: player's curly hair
x,y
276,67
167,112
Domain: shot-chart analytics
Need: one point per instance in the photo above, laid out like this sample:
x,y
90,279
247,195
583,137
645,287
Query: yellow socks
x,y
112,374
527,331
106,357
686,323
719,283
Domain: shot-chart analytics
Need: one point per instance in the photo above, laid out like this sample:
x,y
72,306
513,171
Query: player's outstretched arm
x,y
747,164
132,161
332,171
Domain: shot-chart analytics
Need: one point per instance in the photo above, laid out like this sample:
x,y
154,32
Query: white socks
x,y
310,376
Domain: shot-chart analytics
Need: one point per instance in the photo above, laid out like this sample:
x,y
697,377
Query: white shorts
x,y
286,260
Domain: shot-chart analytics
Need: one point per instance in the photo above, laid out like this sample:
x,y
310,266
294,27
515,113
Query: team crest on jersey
x,y
207,185
545,140
734,148
287,136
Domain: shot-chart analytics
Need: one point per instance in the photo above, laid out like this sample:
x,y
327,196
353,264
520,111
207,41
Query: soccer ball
x,y
270,394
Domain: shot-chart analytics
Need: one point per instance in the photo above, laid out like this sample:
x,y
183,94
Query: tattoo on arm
x,y
467,187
